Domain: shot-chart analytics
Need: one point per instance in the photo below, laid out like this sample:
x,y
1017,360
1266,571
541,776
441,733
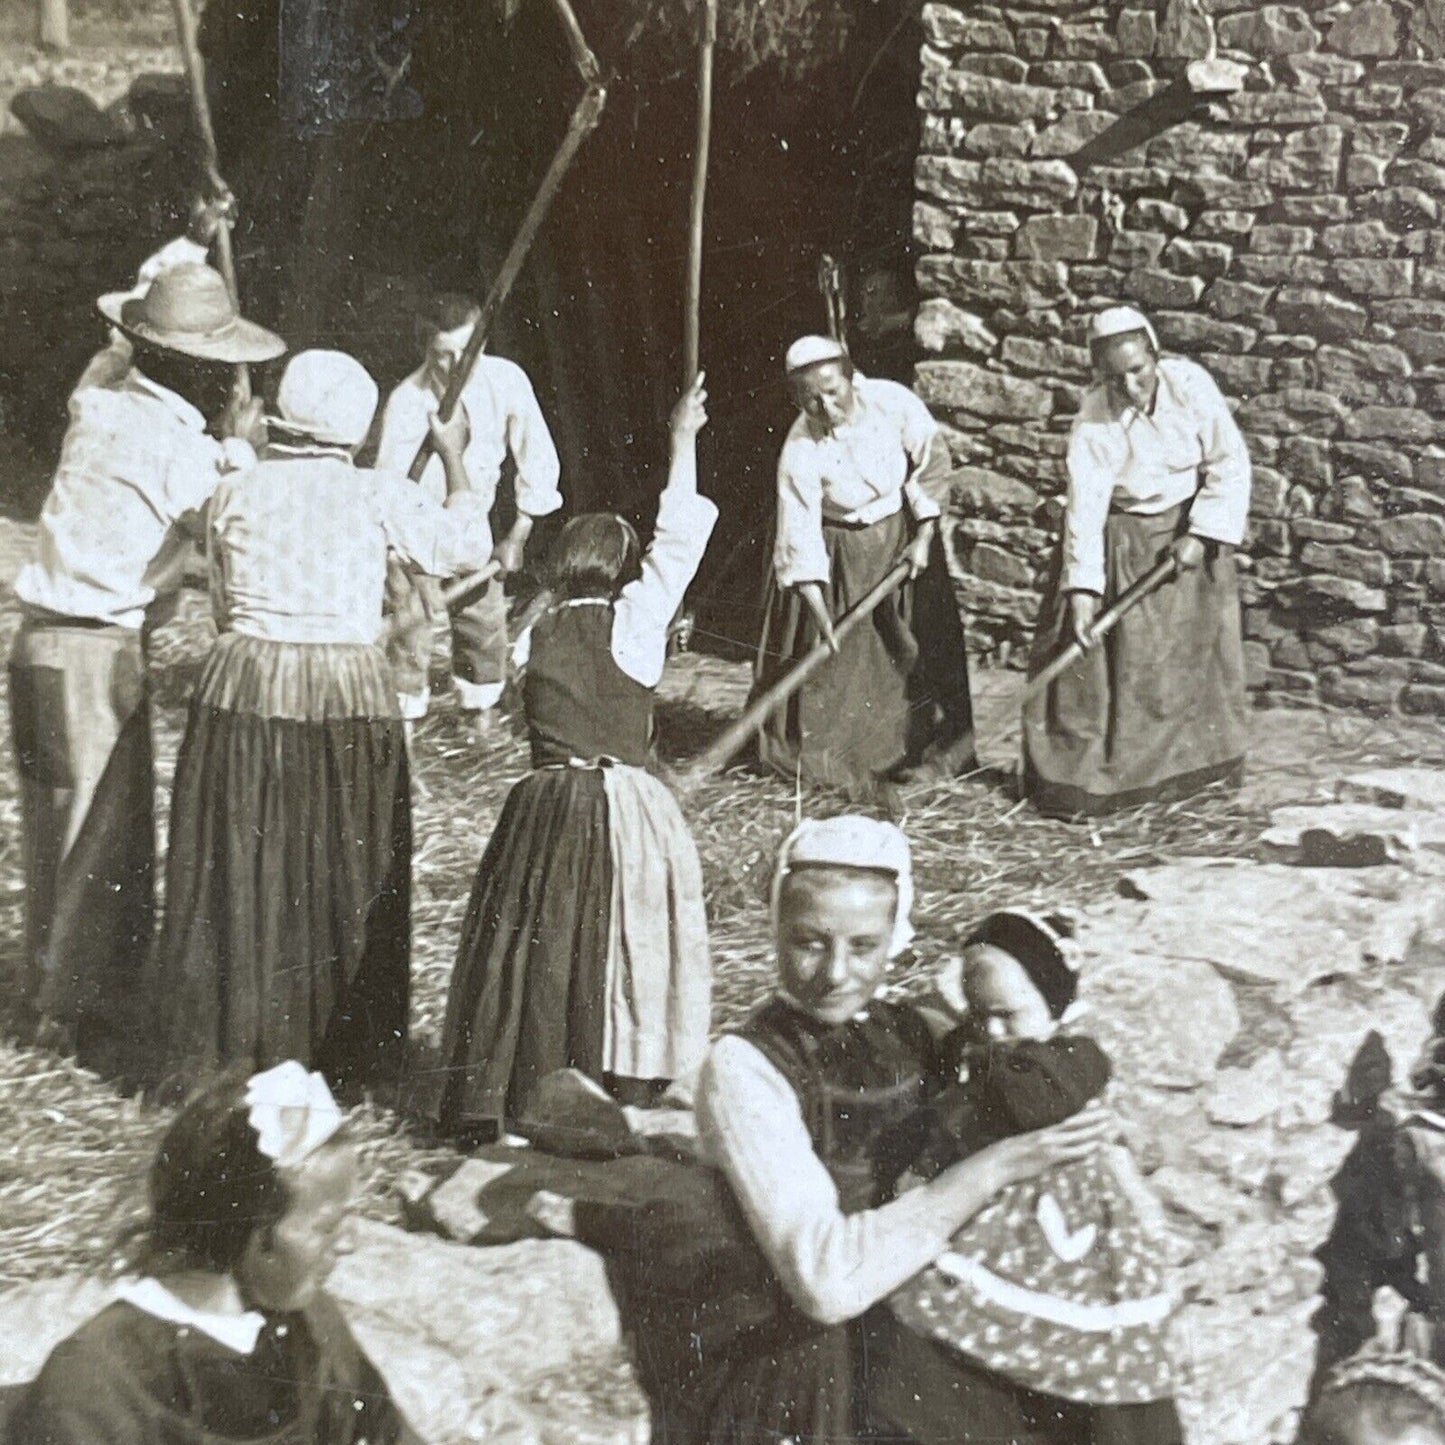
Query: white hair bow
x,y
292,1113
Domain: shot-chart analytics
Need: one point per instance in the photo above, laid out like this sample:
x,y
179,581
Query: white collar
x,y
175,403
236,1332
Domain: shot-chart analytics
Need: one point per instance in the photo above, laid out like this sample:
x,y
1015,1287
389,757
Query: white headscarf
x,y
809,351
1121,321
292,1112
851,841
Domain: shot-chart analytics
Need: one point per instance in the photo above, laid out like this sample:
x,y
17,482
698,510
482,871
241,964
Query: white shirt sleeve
x,y
647,606
403,425
799,553
535,453
441,540
833,1265
1220,510
920,432
1091,488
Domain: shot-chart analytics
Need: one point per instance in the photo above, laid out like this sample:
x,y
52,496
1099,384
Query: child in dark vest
x,y
1378,1399
585,941
1054,1292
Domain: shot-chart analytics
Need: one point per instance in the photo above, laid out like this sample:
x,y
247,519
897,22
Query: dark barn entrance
x,y
348,220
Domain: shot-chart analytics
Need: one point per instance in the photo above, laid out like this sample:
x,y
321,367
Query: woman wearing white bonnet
x,y
287,929
811,1109
861,478
1156,710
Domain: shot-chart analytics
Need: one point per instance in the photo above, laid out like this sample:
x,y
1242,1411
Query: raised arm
x,y
685,522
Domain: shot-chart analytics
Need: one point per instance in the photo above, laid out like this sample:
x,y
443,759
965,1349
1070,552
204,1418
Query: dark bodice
x,y
579,703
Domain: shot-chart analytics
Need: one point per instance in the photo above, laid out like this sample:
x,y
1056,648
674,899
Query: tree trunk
x,y
54,20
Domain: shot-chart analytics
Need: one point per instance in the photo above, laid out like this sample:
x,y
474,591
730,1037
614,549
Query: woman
x,y
227,1336
585,942
1157,468
761,1326
287,931
859,487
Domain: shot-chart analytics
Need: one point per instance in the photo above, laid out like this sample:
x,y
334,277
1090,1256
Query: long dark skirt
x,y
897,694
288,881
80,720
1157,711
527,996
926,1393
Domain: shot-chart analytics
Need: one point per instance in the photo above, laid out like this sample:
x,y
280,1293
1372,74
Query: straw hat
x,y
327,396
188,309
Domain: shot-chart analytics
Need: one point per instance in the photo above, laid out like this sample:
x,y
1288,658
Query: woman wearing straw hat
x,y
135,462
857,483
287,930
1156,710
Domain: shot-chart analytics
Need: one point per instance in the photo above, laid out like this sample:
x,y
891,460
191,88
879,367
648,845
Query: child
x,y
229,1336
585,941
1378,1399
1052,1288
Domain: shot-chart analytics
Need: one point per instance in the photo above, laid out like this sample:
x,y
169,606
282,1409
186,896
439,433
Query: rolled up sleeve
x,y
833,1265
799,554
1220,510
1091,485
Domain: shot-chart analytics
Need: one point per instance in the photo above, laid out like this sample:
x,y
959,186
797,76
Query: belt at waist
x,y
878,510
603,760
44,617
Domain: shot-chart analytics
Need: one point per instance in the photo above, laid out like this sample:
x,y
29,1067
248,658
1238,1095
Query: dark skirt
x,y
527,993
926,1393
1157,711
288,883
80,721
896,695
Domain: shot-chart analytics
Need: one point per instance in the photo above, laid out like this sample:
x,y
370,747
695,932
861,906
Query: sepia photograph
x,y
724,722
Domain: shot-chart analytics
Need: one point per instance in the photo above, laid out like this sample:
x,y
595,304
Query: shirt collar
x,y
238,1333
173,402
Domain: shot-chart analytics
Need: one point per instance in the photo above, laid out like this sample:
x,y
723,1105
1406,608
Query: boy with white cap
x,y
505,422
136,460
1157,466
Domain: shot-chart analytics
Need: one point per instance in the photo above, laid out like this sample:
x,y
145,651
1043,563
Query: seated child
x,y
1378,1399
1054,1285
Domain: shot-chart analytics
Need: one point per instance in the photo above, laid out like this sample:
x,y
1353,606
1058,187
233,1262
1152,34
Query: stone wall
x,y
1286,237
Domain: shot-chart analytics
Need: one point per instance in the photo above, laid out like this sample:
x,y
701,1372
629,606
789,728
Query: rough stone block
x,y
1281,270
1307,460
1137,33
1416,534
1423,701
984,95
1029,183
934,228
989,139
1276,107
1320,595
1134,249
1209,259
1371,568
1163,288
1309,210
1426,175
1408,639
1327,317
939,325
1363,238
1083,74
1270,30
1223,225
1186,32
962,386
1189,331
1307,159
949,179
1380,138
1310,72
1390,423
994,564
1424,345
1230,300
1366,32
1071,133
951,29
1045,358
1278,240
1026,283
1344,689
1381,463
990,223
1057,238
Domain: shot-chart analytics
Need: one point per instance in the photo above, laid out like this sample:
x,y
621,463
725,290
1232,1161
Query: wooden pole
x,y
1156,576
210,158
54,24
692,325
584,120
718,753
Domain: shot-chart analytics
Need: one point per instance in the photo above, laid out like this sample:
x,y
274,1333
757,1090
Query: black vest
x,y
579,703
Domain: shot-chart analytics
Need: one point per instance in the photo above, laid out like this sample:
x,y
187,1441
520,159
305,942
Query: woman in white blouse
x,y
860,478
288,890
811,1111
1157,709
